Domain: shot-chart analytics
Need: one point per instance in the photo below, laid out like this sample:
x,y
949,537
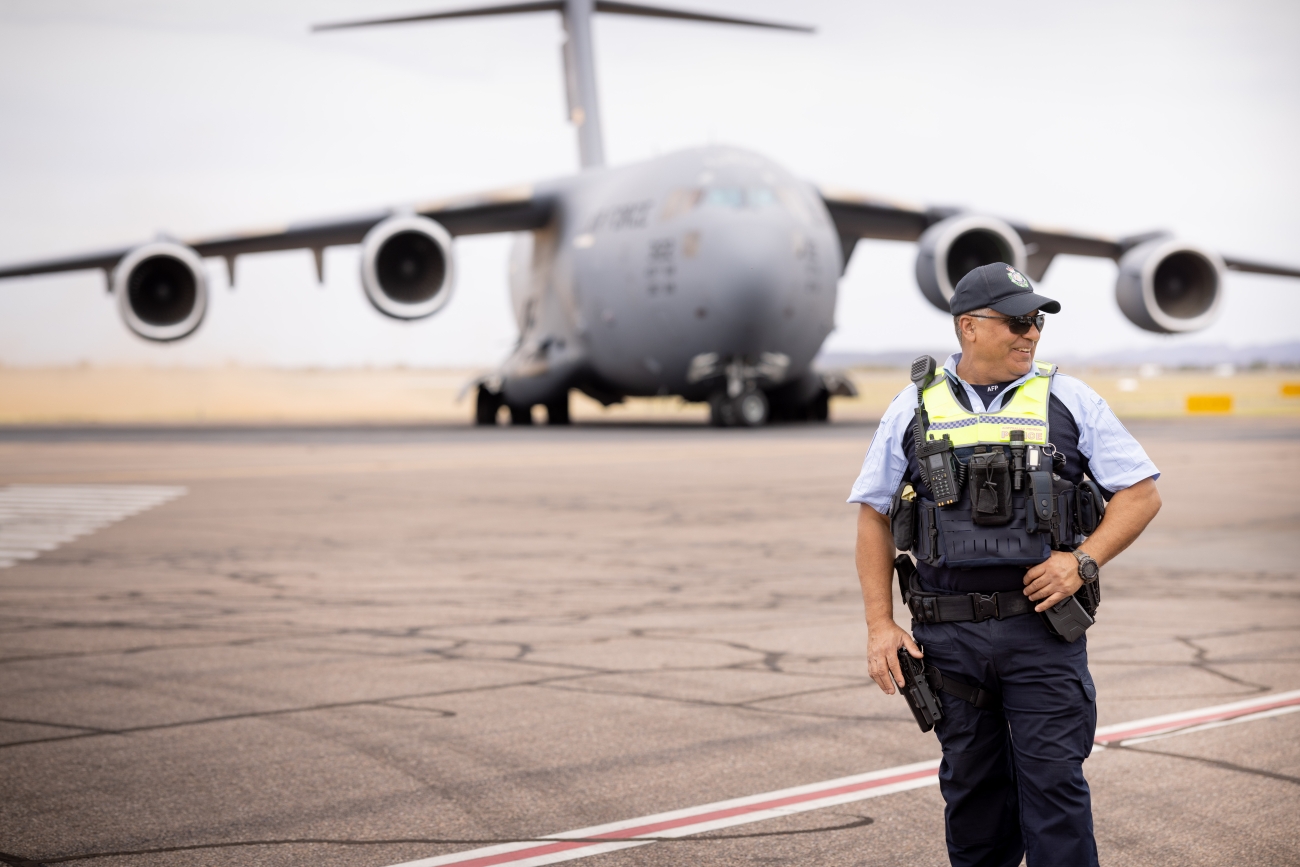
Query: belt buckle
x,y
984,607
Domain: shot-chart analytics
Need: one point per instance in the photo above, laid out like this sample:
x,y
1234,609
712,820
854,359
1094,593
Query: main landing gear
x,y
489,403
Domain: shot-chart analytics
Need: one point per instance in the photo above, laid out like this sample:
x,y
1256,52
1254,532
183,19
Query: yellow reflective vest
x,y
1027,411
953,535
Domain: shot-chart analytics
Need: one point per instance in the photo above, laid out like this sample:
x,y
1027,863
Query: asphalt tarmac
x,y
368,646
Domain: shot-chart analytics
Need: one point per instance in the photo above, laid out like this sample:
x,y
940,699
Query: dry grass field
x,y
224,396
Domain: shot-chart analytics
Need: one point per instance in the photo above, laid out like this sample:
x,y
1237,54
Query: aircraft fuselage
x,y
654,277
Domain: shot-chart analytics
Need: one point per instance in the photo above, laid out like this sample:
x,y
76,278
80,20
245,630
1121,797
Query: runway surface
x,y
376,646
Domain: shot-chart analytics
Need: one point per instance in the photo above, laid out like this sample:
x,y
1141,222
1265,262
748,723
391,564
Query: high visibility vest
x,y
953,535
1027,411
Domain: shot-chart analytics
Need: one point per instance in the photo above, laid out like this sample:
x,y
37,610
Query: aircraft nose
x,y
754,274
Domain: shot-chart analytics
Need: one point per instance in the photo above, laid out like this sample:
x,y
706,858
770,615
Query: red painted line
x,y
817,795
699,819
1169,725
520,854
694,819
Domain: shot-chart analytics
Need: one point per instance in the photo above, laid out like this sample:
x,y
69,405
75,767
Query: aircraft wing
x,y
861,216
508,210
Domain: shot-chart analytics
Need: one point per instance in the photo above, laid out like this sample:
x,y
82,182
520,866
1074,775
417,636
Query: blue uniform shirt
x,y
1081,426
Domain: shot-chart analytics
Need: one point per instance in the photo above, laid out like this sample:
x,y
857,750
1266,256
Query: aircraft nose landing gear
x,y
747,409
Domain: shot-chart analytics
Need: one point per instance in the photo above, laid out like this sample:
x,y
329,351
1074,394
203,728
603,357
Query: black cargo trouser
x,y
1012,776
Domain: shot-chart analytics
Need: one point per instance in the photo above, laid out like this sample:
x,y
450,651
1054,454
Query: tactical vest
x,y
1011,508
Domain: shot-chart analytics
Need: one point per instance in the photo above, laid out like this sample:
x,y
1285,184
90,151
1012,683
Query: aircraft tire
x,y
750,409
820,407
521,415
486,406
557,411
721,411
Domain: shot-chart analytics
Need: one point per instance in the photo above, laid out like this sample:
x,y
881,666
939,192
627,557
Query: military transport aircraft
x,y
708,273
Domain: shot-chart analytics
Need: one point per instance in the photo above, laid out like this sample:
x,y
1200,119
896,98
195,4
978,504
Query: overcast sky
x,y
123,120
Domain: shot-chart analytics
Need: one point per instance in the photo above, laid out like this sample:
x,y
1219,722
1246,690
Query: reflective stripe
x,y
1027,411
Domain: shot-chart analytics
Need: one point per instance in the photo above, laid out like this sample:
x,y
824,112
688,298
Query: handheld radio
x,y
933,456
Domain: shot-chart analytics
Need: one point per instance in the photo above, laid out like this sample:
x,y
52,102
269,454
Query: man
x,y
1012,771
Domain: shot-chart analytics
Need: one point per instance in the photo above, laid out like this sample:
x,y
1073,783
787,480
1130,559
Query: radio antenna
x,y
579,64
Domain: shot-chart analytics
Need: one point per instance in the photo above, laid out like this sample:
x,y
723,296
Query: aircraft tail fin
x,y
477,12
611,7
614,7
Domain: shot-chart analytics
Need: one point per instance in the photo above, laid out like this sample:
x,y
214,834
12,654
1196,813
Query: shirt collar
x,y
950,368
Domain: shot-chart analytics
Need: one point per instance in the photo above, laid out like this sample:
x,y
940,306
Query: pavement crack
x,y
749,705
1215,763
18,861
53,725
1202,662
283,711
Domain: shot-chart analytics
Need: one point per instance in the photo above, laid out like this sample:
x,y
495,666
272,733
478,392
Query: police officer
x,y
1012,771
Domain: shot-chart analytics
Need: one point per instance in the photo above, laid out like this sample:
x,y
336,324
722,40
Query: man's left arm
x,y
1127,515
1118,463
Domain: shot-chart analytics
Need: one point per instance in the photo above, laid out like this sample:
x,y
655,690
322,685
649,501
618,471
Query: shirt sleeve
x,y
1115,459
885,463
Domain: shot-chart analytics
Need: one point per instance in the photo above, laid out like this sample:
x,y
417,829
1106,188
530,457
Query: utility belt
x,y
955,608
1068,619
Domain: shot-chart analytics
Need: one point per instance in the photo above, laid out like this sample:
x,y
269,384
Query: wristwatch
x,y
1088,568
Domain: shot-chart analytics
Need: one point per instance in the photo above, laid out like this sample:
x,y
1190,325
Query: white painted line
x,y
1251,717
585,842
36,518
1186,720
695,820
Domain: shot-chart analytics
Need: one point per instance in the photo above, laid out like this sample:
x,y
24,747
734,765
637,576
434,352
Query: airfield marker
x,y
586,842
36,518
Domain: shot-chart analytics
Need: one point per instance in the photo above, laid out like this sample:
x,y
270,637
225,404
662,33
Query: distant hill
x,y
1183,356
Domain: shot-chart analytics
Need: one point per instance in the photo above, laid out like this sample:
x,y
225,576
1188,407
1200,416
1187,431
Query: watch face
x,y
1089,569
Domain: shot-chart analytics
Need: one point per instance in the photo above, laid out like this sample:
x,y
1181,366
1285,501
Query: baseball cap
x,y
1002,287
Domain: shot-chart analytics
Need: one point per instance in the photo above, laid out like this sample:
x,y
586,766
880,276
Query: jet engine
x,y
956,245
407,267
162,290
1169,286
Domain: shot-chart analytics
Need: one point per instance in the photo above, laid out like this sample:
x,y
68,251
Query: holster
x,y
924,704
921,684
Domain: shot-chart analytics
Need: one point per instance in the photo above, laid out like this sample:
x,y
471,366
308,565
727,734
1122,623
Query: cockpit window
x,y
684,200
738,197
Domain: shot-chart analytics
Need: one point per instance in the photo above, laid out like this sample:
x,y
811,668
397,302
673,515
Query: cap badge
x,y
1017,278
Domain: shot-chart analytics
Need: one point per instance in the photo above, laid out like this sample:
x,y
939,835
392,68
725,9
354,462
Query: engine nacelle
x,y
951,248
1169,286
407,268
162,290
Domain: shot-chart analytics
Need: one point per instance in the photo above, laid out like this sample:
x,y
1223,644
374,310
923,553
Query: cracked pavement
x,y
360,647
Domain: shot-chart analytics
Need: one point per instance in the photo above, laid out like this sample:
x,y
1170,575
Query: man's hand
x,y
1053,580
1129,512
883,641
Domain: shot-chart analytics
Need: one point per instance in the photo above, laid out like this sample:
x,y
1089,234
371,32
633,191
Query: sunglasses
x,y
1018,324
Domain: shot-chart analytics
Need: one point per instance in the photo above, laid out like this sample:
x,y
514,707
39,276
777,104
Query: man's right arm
x,y
882,471
875,561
